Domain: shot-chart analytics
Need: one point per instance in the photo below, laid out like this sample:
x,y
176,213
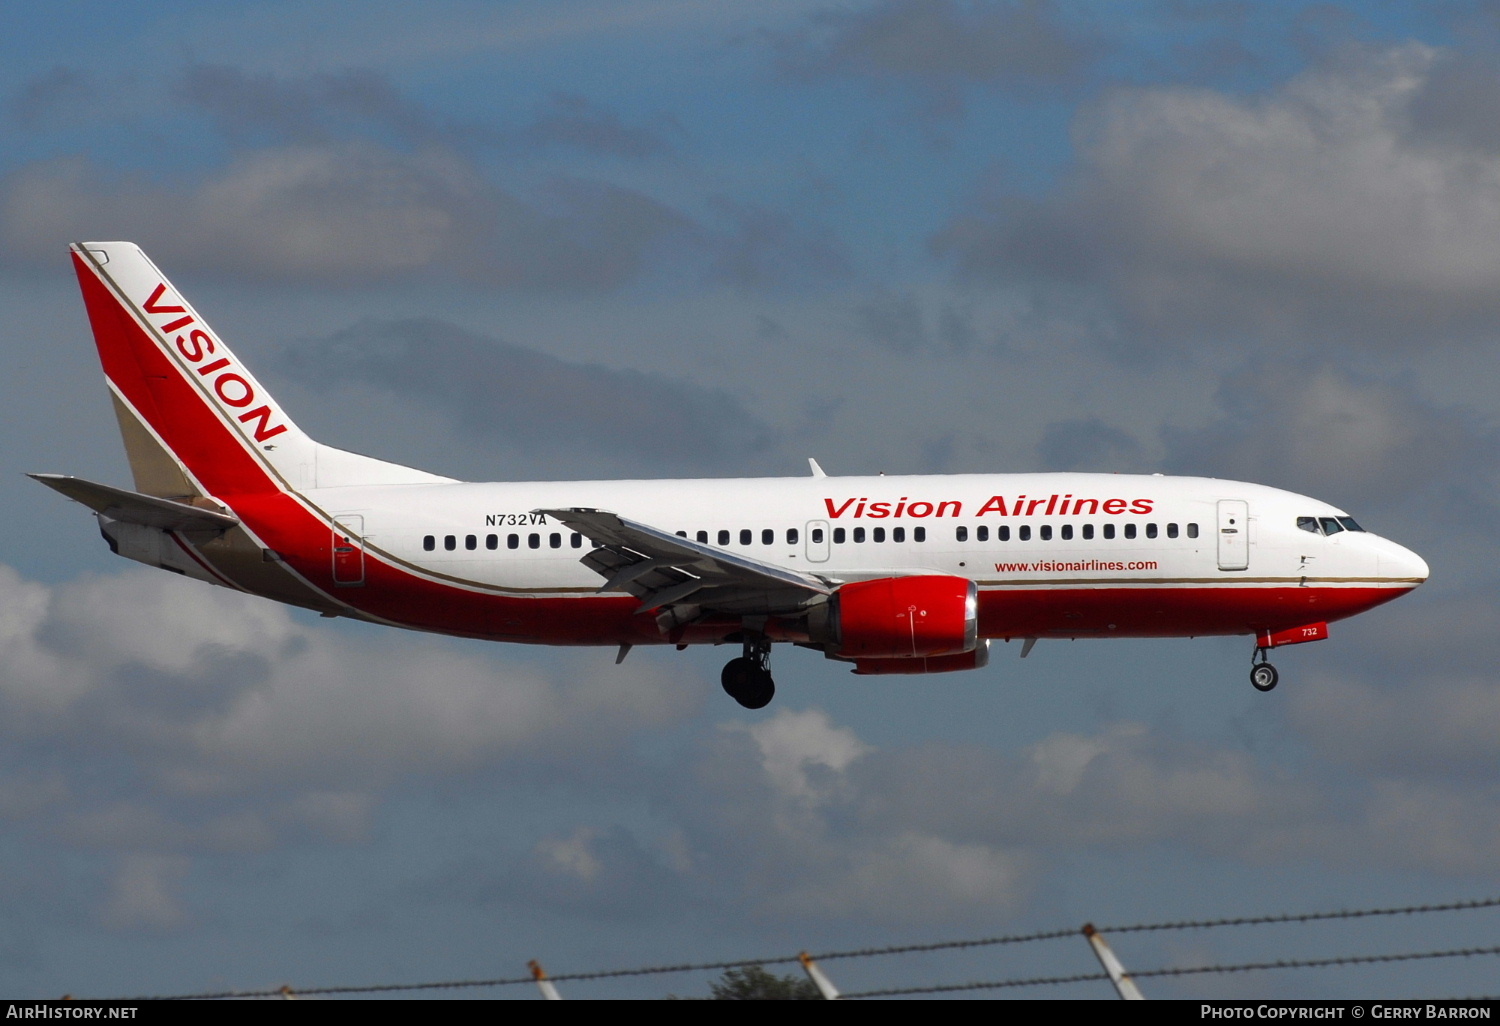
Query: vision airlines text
x,y
196,346
1020,506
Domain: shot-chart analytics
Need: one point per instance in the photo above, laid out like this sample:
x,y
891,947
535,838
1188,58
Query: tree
x,y
753,983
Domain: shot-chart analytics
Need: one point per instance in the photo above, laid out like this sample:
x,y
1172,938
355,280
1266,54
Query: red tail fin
x,y
185,402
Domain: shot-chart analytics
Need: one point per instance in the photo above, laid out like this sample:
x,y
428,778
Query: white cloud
x,y
793,743
1422,726
1322,430
1312,207
572,856
200,723
227,693
143,893
910,878
1431,827
319,210
342,212
159,719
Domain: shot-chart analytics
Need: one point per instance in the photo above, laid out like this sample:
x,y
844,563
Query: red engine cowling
x,y
937,664
906,618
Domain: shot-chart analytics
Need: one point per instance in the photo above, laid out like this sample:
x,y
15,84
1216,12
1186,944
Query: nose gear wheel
x,y
1263,676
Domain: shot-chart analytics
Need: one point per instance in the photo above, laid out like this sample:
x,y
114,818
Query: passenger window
x,y
838,536
817,535
746,536
555,540
723,537
1067,532
1150,530
492,541
512,541
982,533
534,541
1130,530
961,533
576,541
877,534
898,534
1002,533
1192,530
1171,530
450,542
429,543
1088,532
791,536
1046,532
702,537
1109,530
471,542
919,534
768,537
859,535
682,534
1024,534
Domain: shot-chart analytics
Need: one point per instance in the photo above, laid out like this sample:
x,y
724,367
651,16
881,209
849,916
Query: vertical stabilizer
x,y
193,418
190,413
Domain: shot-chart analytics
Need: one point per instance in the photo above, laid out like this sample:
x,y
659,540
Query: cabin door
x,y
817,541
349,550
1234,534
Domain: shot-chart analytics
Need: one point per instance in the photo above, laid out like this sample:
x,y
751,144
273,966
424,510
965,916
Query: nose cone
x,y
1401,565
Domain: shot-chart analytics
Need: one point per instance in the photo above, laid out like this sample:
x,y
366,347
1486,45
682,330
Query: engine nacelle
x,y
936,664
904,618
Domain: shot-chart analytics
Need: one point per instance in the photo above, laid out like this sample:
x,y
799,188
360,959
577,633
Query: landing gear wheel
x,y
1263,676
747,683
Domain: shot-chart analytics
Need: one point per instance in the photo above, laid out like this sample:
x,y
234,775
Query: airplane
x,y
892,575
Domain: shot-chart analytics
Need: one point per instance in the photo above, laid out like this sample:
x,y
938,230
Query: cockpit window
x,y
1327,525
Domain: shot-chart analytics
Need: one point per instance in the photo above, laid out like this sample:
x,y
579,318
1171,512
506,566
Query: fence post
x,y
546,986
1117,974
823,983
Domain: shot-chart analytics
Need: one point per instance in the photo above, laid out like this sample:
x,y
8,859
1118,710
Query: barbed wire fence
x,y
537,976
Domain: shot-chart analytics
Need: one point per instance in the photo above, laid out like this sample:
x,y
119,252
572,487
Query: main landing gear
x,y
1263,676
747,679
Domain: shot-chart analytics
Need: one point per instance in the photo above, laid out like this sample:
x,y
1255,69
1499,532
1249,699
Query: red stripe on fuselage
x,y
1170,611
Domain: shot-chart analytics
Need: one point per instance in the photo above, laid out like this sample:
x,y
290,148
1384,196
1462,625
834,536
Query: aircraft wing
x,y
135,508
669,572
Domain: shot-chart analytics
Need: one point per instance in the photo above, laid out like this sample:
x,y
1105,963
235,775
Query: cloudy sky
x,y
687,238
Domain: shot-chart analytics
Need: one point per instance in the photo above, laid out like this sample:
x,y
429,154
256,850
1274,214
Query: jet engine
x,y
902,618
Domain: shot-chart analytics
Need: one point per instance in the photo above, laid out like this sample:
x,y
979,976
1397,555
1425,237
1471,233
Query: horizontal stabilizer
x,y
135,508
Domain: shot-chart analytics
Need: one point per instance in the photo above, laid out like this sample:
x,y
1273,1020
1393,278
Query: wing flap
x,y
135,508
664,570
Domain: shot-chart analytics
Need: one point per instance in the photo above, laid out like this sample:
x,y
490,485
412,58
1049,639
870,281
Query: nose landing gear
x,y
1263,676
747,679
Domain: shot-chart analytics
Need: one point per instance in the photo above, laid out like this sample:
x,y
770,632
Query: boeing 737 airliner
x,y
890,574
